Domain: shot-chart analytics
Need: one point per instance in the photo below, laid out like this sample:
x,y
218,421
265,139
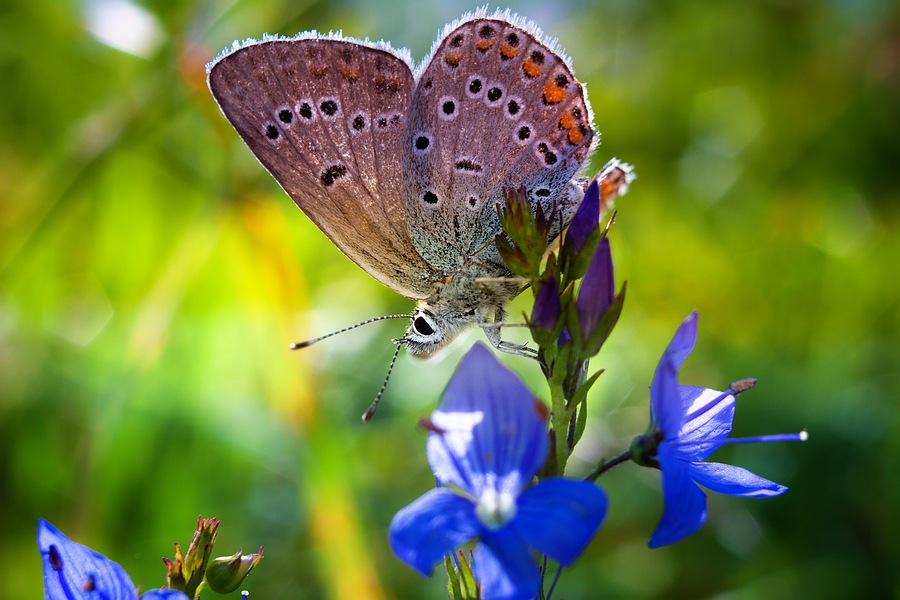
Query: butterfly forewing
x,y
326,118
495,108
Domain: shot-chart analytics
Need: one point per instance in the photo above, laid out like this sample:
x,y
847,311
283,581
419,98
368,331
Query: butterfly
x,y
403,167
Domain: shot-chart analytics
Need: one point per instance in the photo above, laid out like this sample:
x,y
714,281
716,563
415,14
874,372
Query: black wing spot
x,y
486,31
272,132
513,107
494,94
537,57
473,201
328,107
562,81
475,86
332,174
285,116
457,40
550,158
448,107
429,197
524,132
359,123
422,142
543,192
512,39
306,111
468,165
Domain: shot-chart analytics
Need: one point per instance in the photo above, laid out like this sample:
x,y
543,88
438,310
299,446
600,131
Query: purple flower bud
x,y
586,219
597,290
547,308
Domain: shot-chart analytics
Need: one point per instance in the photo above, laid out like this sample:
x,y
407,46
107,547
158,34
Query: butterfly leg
x,y
492,332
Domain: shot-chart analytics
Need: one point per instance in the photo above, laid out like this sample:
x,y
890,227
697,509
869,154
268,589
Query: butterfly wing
x,y
496,107
326,118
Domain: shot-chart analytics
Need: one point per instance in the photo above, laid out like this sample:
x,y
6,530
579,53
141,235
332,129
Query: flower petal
x,y
163,595
504,567
706,422
491,434
69,567
684,509
558,516
432,526
586,219
547,308
735,481
665,400
598,289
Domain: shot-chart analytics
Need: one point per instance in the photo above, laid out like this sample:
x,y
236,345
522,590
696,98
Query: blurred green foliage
x,y
152,275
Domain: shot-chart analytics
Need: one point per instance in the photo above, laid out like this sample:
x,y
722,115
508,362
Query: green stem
x,y
606,465
559,420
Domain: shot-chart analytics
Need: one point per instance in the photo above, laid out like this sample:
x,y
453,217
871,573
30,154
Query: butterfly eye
x,y
422,327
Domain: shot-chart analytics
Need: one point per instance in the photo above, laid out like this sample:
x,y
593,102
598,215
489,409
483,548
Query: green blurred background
x,y
152,275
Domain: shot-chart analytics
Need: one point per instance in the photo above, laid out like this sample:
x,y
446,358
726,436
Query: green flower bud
x,y
225,574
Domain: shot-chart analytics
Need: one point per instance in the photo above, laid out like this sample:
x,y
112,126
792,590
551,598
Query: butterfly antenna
x,y
370,412
307,343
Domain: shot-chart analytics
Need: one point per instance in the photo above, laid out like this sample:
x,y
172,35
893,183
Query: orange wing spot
x,y
484,44
350,72
575,136
567,121
531,68
508,51
453,58
553,94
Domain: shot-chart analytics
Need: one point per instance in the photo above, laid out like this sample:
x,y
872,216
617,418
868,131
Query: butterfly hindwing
x,y
495,108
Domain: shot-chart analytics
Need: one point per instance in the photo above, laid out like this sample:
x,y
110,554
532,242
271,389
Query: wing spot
x,y
457,40
553,92
359,123
514,108
543,192
475,86
272,132
285,115
304,109
534,64
422,142
350,72
473,201
429,197
523,134
468,165
453,59
494,95
387,83
332,174
329,106
486,41
447,108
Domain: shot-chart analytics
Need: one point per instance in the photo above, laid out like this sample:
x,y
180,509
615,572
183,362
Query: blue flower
x,y
688,424
488,439
74,571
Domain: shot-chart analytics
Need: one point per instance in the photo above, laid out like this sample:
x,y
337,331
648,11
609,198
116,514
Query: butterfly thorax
x,y
475,294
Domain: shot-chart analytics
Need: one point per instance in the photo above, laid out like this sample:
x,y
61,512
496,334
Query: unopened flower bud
x,y
226,573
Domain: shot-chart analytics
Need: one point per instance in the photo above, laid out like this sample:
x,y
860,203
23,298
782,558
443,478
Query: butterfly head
x,y
432,327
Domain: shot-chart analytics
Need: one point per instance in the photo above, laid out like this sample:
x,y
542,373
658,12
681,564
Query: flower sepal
x,y
187,570
461,584
525,239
